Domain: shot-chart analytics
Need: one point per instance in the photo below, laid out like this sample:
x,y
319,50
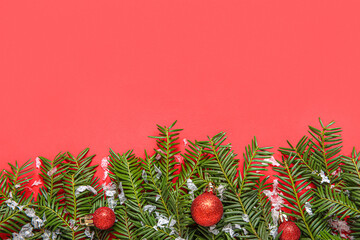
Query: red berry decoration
x,y
207,209
104,218
290,231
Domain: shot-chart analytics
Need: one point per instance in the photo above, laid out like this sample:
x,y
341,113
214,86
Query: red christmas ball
x,y
104,218
290,231
207,209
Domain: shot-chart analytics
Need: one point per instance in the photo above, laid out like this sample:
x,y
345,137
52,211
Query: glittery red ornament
x,y
290,231
104,218
207,209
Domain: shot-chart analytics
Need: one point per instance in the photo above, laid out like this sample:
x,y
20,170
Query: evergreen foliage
x,y
159,191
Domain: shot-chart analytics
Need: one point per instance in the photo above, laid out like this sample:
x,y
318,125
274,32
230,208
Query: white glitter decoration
x,y
88,233
17,186
308,208
213,230
104,163
221,189
46,235
340,226
104,166
179,158
11,204
245,217
106,174
30,189
162,221
30,212
324,178
158,175
336,172
81,189
112,203
273,161
149,208
185,142
180,238
228,229
157,198
192,187
241,228
26,231
52,171
276,201
20,207
158,156
37,222
38,162
36,183
72,223
110,189
121,195
347,192
273,230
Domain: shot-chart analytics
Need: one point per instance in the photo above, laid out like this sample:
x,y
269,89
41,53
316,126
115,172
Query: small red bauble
x,y
104,218
207,209
290,231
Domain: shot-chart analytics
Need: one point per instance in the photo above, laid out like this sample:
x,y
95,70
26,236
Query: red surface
x,y
101,74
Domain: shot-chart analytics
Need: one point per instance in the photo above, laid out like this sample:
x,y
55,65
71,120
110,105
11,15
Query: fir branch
x,y
351,175
126,169
224,166
264,204
124,228
153,185
324,235
53,183
336,203
192,158
326,147
302,151
4,189
291,173
167,141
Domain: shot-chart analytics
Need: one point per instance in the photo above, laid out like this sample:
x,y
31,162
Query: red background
x,y
101,74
